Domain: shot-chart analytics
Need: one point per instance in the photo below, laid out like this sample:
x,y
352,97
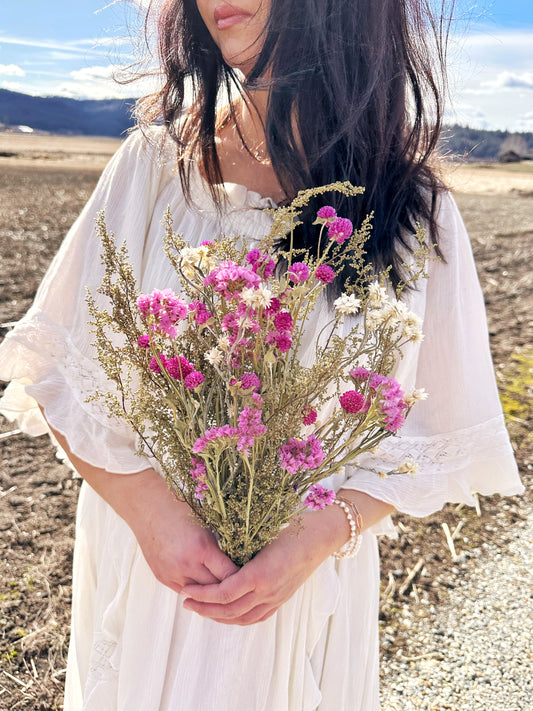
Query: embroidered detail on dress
x,y
446,452
102,652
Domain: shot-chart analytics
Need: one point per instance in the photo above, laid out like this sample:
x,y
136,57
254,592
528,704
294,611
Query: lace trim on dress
x,y
450,451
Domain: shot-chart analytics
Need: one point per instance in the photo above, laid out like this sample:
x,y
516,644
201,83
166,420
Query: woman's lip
x,y
227,15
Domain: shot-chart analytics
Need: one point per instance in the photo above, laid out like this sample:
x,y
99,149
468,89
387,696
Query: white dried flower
x,y
409,466
214,356
224,343
375,318
193,258
257,298
417,395
347,304
412,326
377,295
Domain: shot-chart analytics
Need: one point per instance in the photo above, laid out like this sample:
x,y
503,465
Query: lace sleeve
x,y
458,435
48,356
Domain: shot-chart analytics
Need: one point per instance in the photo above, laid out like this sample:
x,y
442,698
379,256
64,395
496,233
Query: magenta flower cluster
x,y
318,497
392,401
166,309
340,229
301,454
249,427
325,274
327,213
298,272
352,402
282,335
178,368
260,263
309,416
199,312
236,325
230,279
198,472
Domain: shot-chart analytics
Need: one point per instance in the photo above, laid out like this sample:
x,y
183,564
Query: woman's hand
x,y
177,548
261,586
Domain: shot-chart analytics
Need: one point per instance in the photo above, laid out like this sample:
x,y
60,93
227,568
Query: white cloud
x,y
511,80
98,82
491,78
12,70
93,73
11,85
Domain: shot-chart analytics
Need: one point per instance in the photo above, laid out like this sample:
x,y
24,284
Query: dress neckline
x,y
239,196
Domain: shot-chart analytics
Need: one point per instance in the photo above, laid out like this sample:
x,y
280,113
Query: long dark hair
x,y
352,82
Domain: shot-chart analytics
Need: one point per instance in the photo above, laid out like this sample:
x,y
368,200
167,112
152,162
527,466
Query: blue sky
x,y
71,47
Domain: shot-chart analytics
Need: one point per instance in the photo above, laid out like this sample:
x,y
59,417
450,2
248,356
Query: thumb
x,y
219,564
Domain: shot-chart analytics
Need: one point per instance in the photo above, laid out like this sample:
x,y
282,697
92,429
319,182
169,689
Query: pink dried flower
x,y
310,416
200,488
143,303
352,401
283,321
166,308
261,263
301,454
154,364
327,213
318,497
272,310
392,403
198,469
144,341
179,367
325,274
360,374
250,380
283,341
193,380
199,312
298,272
229,321
340,229
230,279
207,242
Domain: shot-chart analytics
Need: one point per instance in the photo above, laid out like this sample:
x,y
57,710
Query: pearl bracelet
x,y
355,521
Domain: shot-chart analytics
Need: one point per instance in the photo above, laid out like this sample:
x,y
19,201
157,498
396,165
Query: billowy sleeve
x,y
48,357
458,435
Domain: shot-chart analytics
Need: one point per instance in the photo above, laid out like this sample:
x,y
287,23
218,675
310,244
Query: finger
x,y
219,564
229,590
200,575
260,613
230,611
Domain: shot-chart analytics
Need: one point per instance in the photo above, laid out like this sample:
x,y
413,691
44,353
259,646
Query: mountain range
x,y
55,114
112,117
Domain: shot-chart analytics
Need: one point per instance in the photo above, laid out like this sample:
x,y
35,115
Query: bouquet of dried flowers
x,y
211,375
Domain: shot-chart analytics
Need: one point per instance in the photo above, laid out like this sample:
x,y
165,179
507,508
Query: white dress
x,y
134,647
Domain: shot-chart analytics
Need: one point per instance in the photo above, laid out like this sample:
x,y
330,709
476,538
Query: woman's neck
x,y
247,163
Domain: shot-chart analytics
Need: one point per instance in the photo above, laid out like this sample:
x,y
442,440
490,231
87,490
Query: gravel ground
x,y
476,651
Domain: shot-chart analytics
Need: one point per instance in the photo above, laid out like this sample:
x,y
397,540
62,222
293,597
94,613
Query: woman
x,y
162,619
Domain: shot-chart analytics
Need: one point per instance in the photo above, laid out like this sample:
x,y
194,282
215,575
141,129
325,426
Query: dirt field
x,y
43,185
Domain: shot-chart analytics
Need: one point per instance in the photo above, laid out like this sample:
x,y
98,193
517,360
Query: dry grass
x,y
42,188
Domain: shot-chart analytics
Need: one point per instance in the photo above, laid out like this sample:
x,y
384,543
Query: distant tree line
x,y
113,118
478,144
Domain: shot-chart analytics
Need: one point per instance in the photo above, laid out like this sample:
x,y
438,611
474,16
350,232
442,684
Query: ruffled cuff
x,y
45,368
452,468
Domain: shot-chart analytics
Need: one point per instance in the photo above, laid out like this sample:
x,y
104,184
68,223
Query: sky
x,y
73,48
